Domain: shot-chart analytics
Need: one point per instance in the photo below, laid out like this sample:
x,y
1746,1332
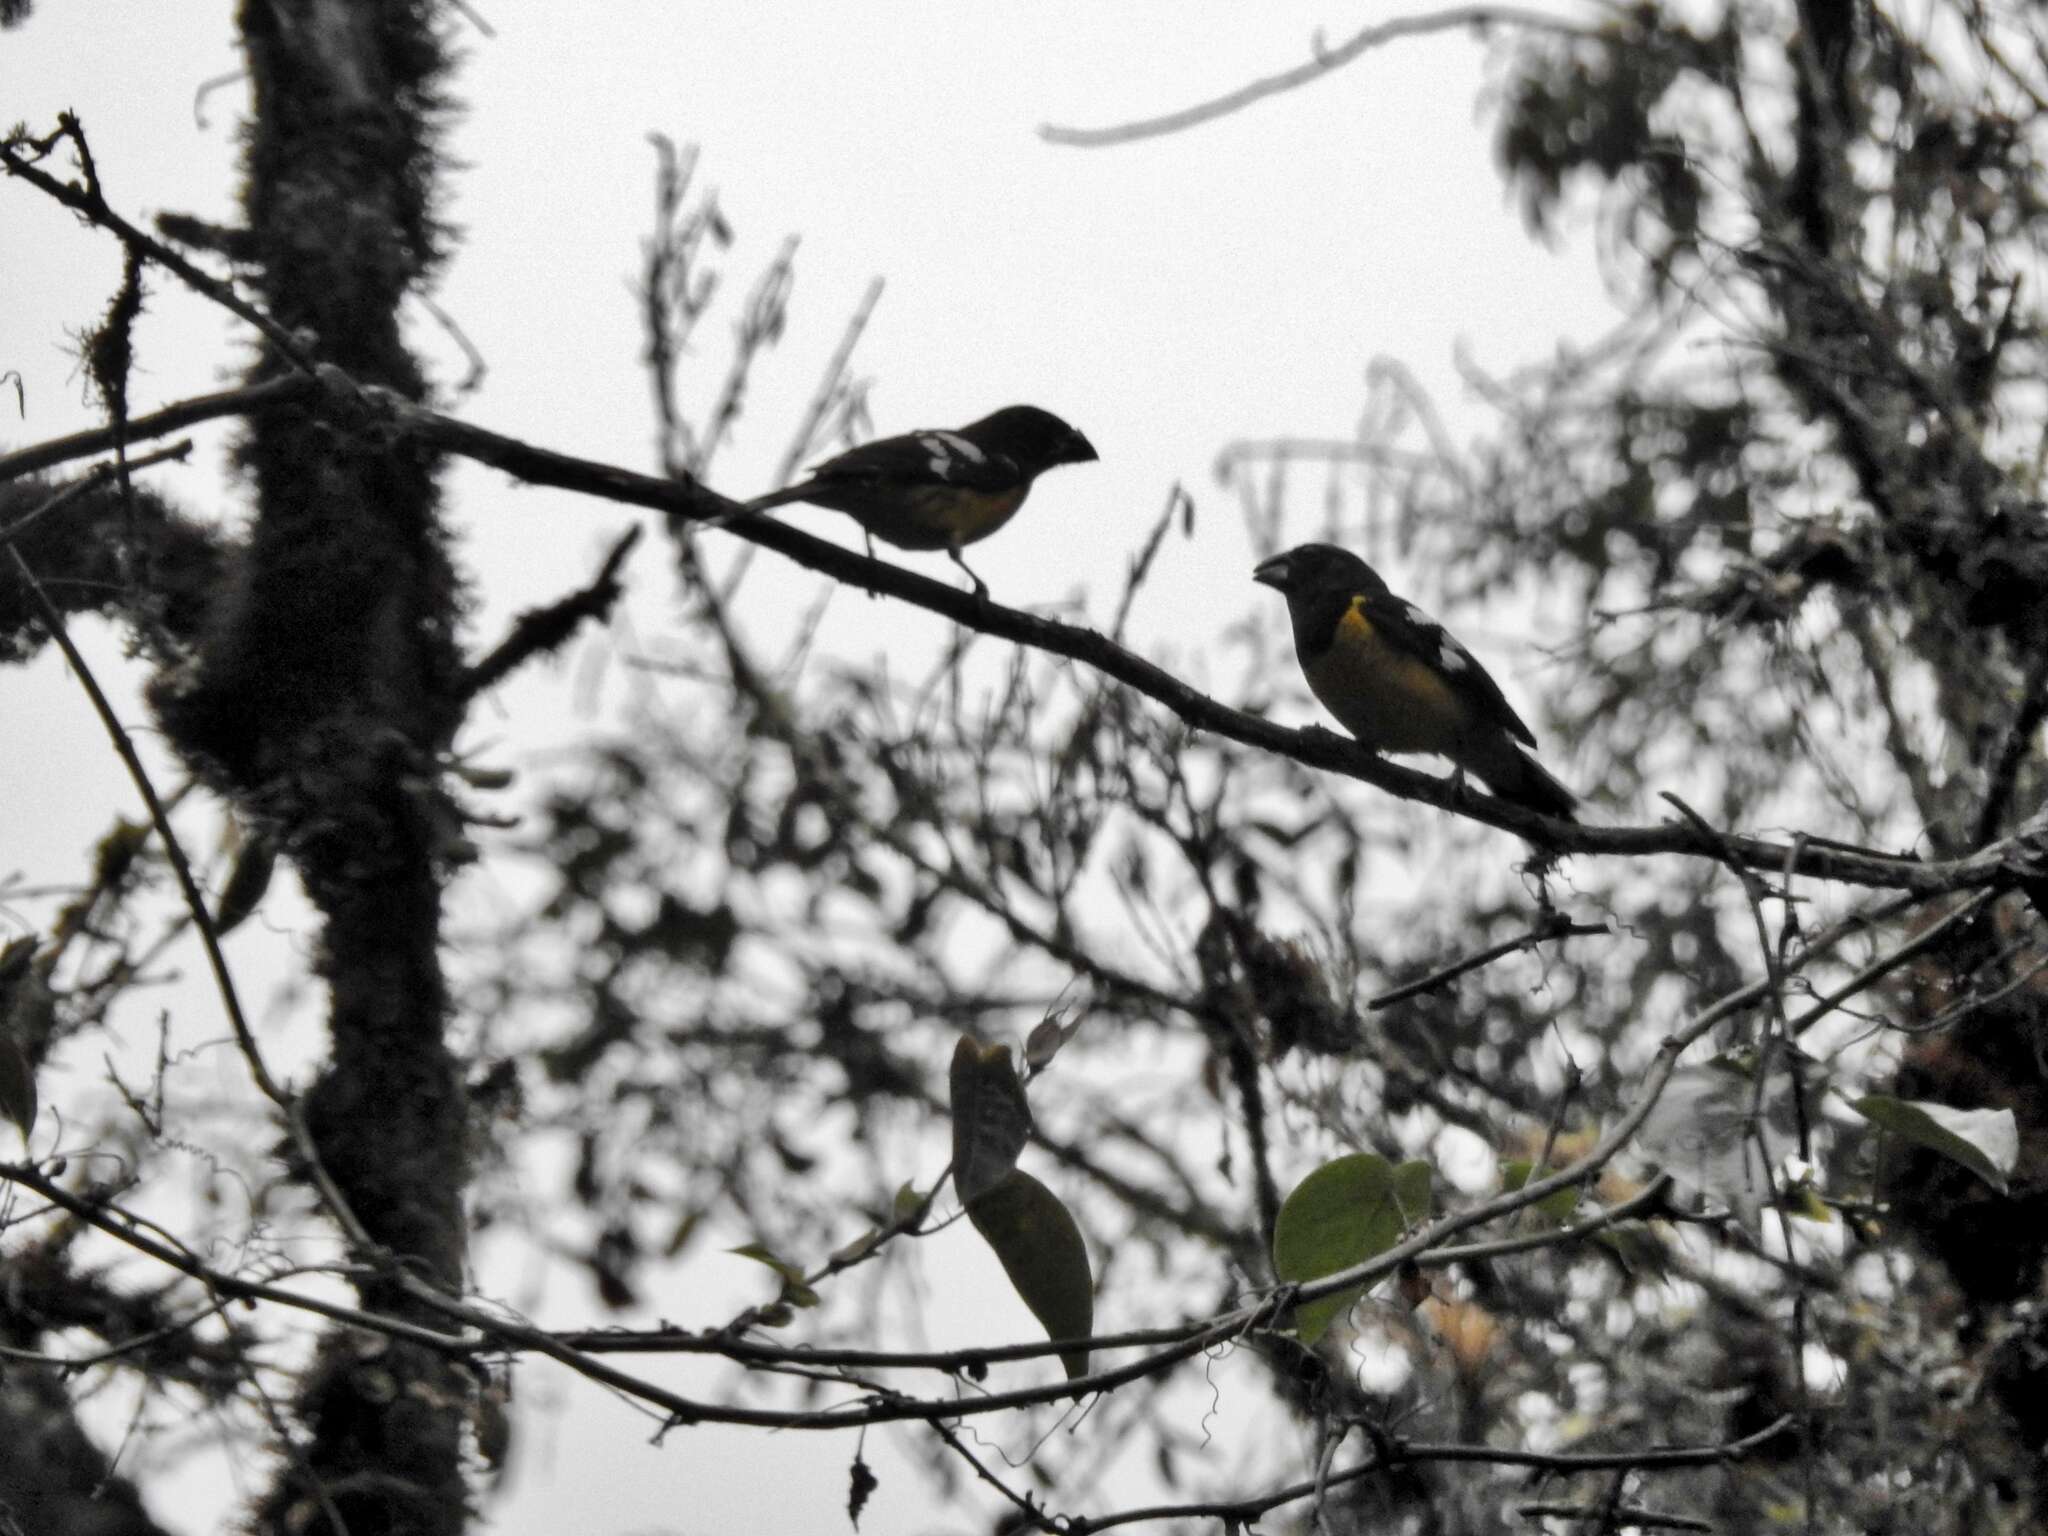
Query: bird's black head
x,y
1033,438
1316,568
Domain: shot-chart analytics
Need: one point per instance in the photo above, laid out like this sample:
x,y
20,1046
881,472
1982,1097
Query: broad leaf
x,y
1343,1214
991,1121
795,1292
1705,1131
1985,1141
761,1254
1556,1207
1040,1247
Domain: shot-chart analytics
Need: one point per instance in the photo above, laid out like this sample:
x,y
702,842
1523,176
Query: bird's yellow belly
x,y
1386,698
938,516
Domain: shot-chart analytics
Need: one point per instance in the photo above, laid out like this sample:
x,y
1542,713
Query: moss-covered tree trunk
x,y
324,694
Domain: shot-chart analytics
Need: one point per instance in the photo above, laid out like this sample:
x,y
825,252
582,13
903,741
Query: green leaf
x,y
859,1248
1556,1207
686,1228
1636,1249
991,1121
1985,1141
1045,1041
1040,1247
795,1293
247,883
1343,1214
1705,1131
760,1254
1806,1201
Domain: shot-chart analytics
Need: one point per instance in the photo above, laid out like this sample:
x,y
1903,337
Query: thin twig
x,y
2019,737
174,851
1324,62
1033,1517
547,629
128,1229
1898,735
1177,501
1401,1453
20,157
1633,1515
74,1363
1558,926
246,401
91,480
329,1192
1884,966
830,387
1650,1201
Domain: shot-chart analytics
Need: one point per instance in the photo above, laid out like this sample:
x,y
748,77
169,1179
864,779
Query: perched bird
x,y
939,489
1396,680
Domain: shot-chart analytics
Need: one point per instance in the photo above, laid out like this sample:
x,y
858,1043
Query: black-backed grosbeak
x,y
1398,681
939,489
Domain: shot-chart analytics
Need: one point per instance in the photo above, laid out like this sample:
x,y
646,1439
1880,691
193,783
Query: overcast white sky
x,y
1166,297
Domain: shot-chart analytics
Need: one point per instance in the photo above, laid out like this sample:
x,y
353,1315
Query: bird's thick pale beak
x,y
1079,450
1272,573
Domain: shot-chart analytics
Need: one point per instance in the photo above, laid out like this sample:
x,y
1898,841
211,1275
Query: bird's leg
x,y
980,586
868,539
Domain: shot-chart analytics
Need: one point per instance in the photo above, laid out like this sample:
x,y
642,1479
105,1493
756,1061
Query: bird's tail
x,y
1514,775
773,499
781,498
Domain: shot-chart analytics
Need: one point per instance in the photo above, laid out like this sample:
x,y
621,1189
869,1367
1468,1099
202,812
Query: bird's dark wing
x,y
922,458
1406,628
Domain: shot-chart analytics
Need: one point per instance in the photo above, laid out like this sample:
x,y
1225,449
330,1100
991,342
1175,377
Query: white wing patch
x,y
943,448
962,446
934,443
1451,656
